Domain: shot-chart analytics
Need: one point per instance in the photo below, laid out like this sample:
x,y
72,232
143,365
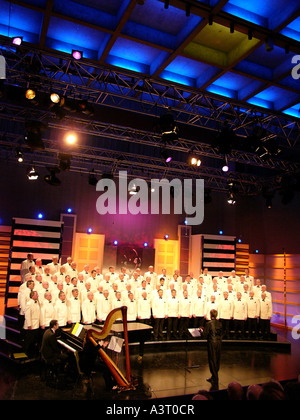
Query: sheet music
x,y
195,332
116,344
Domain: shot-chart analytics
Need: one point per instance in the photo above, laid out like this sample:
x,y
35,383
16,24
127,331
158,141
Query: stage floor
x,y
161,374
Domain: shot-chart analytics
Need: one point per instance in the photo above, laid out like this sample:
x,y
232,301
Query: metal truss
x,y
127,90
86,159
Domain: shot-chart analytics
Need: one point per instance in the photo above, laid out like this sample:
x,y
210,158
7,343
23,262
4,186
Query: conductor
x,y
213,333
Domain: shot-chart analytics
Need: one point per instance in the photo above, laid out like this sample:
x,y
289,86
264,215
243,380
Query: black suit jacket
x,y
50,349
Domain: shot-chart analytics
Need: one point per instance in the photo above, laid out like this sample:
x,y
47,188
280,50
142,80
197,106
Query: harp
x,y
125,382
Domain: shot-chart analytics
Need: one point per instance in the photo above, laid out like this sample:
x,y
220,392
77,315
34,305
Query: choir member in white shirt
x,y
74,307
265,316
61,274
239,316
221,279
47,275
177,282
47,311
103,306
253,310
38,282
159,312
185,314
117,301
211,304
67,265
264,290
106,283
178,278
225,313
42,290
56,291
144,309
121,282
207,279
80,282
88,309
99,275
84,292
86,272
257,289
135,280
61,310
93,280
198,308
24,269
72,271
173,315
39,266
234,277
152,274
32,325
248,278
23,297
131,304
54,265
113,275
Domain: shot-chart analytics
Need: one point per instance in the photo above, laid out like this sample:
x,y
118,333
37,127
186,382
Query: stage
x,y
166,370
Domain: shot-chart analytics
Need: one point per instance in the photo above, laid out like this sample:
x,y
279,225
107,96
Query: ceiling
x,y
223,70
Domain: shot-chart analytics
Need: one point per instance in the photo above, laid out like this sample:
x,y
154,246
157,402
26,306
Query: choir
x,y
169,303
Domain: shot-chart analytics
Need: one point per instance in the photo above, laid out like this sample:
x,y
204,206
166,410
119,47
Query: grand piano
x,y
73,338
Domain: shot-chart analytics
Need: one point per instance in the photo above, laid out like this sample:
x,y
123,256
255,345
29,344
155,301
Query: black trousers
x,y
172,326
239,328
183,327
214,357
226,326
158,328
252,327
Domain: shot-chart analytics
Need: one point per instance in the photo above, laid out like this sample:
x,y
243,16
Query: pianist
x,y
50,350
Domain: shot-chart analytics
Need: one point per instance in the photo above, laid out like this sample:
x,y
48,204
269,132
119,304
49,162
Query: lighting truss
x,y
104,85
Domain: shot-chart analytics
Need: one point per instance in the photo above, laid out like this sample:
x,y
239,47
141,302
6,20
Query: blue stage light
x,y
40,216
90,230
69,210
221,232
145,244
116,243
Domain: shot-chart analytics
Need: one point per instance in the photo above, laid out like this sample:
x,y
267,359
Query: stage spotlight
x,y
115,243
225,167
220,232
69,210
55,97
92,179
19,156
239,241
64,162
51,178
145,244
71,138
85,108
195,161
166,237
30,94
166,156
77,55
17,40
230,199
256,251
40,216
33,135
32,174
90,230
